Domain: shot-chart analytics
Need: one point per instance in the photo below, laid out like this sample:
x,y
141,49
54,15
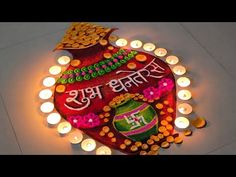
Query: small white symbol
x,y
135,120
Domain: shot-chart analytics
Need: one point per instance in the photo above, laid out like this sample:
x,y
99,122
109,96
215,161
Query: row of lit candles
x,y
183,94
54,118
136,44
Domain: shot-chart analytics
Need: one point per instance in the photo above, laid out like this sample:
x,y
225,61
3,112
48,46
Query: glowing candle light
x,y
53,118
54,70
45,94
149,47
64,128
63,60
103,150
179,70
76,137
183,82
172,60
181,122
160,52
49,81
184,94
121,42
47,107
88,144
185,108
136,44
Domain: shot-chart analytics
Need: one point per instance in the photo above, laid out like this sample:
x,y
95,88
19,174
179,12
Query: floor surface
x,y
207,49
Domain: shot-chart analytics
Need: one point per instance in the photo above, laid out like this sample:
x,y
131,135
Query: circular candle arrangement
x,y
150,108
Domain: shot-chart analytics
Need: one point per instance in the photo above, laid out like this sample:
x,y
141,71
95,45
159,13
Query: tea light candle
x,y
179,70
49,81
149,47
63,60
136,44
88,144
181,122
64,128
103,150
45,94
160,52
53,118
183,82
121,42
76,137
47,107
185,108
172,60
184,94
54,70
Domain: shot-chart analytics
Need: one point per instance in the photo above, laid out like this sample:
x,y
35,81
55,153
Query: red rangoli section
x,y
118,96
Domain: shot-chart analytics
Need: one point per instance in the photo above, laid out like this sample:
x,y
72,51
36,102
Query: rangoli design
x,y
117,94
